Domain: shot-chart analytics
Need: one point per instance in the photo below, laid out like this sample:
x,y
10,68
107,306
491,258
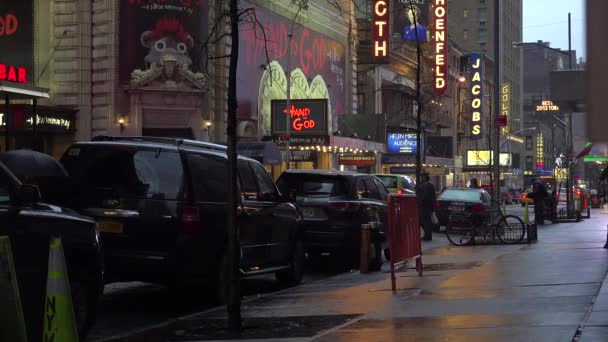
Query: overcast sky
x,y
548,20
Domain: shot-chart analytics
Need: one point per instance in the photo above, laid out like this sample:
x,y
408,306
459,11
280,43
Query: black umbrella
x,y
30,163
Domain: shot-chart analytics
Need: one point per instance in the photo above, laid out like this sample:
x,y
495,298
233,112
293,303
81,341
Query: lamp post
x,y
288,100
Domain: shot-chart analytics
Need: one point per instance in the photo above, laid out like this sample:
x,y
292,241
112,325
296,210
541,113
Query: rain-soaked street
x,y
546,291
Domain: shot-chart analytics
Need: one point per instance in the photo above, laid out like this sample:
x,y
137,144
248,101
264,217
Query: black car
x,y
29,225
334,205
465,206
161,205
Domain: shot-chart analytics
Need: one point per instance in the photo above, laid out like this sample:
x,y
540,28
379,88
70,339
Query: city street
x,y
546,291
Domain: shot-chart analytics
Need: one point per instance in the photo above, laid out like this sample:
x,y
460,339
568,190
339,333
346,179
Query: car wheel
x,y
293,276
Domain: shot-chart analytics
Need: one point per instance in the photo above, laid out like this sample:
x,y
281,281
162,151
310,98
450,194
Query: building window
x,y
529,143
483,35
465,34
528,162
465,13
483,14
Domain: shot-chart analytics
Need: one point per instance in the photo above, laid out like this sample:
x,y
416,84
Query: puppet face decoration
x,y
167,41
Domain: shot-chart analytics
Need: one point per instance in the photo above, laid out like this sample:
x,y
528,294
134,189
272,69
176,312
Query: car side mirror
x,y
288,197
28,194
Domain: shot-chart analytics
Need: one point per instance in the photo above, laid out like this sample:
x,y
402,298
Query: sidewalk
x,y
547,291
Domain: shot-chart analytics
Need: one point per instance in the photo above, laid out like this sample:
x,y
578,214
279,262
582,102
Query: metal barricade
x,y
403,233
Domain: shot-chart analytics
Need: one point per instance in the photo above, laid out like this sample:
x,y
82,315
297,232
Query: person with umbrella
x,y
40,169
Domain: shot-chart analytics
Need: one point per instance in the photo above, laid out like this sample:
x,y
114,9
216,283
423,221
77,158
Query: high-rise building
x,y
471,25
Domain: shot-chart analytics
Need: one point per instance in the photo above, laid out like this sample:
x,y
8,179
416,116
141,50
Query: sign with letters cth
x,y
476,67
380,31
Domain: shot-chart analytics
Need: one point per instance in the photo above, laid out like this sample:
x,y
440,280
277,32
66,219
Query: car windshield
x,y
313,185
124,171
460,195
389,181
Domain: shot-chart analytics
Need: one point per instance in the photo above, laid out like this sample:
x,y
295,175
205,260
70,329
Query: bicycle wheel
x,y
510,229
459,236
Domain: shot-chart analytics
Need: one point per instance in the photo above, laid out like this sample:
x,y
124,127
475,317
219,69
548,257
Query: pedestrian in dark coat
x,y
428,198
473,183
539,194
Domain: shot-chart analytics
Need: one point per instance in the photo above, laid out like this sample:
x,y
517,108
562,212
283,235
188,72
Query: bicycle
x,y
491,223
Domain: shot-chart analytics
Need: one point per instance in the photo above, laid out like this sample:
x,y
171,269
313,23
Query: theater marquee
x,y
441,46
380,31
476,67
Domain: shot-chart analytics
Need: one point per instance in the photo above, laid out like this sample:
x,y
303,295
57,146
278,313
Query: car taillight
x,y
477,208
399,191
189,220
437,205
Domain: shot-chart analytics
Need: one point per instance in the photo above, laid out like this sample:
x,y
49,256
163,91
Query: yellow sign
x,y
505,104
547,106
11,313
560,174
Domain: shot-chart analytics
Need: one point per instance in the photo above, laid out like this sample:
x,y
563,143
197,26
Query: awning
x,y
22,91
266,152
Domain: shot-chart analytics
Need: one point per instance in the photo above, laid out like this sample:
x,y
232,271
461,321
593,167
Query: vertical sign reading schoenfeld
x,y
441,46
380,31
476,68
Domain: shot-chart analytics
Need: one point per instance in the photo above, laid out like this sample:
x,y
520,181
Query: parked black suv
x,y
161,205
29,225
334,205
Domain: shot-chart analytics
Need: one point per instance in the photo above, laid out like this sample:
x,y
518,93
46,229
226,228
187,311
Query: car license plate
x,y
456,208
308,212
110,227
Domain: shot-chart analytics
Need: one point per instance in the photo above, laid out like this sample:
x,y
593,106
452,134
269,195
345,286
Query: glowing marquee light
x,y
441,50
380,31
505,104
547,105
476,95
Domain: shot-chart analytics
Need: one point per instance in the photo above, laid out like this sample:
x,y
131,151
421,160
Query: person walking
x,y
539,194
473,183
428,198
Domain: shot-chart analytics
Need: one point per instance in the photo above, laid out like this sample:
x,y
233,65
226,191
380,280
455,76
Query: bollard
x,y
526,215
365,239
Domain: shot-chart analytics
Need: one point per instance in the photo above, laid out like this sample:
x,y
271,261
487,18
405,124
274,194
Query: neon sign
x,y
8,24
547,106
505,104
441,58
12,73
304,116
476,96
299,118
380,31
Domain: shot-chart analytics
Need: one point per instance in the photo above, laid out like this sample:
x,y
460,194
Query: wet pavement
x,y
546,291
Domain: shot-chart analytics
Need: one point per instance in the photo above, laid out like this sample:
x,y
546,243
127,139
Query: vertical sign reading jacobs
x,y
441,46
380,32
476,95
16,41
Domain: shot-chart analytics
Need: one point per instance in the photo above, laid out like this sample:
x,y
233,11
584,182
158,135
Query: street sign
x,y
501,121
560,174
